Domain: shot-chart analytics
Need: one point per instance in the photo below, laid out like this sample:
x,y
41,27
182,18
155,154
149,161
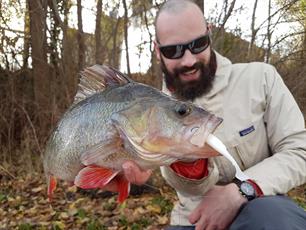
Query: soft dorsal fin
x,y
97,78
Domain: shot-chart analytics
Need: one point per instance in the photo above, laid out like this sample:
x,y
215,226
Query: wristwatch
x,y
247,189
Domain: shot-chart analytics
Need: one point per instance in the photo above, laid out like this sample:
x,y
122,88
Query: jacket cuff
x,y
192,170
194,187
258,190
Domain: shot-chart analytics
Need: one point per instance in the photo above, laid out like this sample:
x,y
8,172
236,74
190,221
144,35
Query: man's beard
x,y
193,89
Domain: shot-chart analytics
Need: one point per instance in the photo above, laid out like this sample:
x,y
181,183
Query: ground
x,y
24,205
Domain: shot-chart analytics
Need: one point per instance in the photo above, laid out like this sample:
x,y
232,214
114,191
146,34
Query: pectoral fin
x,y
94,177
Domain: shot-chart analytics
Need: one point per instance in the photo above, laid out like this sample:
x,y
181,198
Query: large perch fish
x,y
114,119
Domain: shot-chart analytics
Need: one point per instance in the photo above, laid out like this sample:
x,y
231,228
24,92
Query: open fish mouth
x,y
199,133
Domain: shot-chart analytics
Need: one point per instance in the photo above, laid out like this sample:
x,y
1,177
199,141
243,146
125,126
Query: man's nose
x,y
188,59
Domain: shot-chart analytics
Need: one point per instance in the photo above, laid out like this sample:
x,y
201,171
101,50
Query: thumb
x,y
134,174
194,216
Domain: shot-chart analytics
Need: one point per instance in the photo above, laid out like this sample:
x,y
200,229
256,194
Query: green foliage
x,y
110,205
95,225
81,213
3,197
144,222
25,227
165,204
300,201
56,226
137,225
123,221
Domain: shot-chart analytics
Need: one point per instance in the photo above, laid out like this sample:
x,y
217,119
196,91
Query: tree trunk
x,y
269,34
80,36
26,50
126,37
37,12
99,54
114,57
253,31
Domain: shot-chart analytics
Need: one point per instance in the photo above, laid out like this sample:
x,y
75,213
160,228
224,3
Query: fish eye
x,y
183,110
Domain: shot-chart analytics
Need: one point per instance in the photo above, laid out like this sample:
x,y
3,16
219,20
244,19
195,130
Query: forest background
x,y
43,46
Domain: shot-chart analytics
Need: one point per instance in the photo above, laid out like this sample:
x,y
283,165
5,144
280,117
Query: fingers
x,y
201,224
194,216
134,174
197,219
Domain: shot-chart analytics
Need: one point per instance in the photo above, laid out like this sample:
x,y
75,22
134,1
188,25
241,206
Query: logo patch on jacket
x,y
246,131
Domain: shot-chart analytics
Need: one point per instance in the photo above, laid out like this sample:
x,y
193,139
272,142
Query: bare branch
x,y
57,15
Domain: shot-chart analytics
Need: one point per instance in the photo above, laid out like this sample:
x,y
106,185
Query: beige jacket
x,y
263,129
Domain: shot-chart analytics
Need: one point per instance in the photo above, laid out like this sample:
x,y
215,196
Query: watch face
x,y
247,189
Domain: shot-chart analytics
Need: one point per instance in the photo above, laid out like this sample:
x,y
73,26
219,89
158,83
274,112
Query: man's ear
x,y
157,51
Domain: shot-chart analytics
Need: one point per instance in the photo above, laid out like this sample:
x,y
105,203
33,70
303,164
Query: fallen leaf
x,y
162,220
153,208
59,224
36,190
64,215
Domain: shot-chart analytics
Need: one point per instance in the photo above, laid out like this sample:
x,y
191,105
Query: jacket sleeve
x,y
191,187
286,134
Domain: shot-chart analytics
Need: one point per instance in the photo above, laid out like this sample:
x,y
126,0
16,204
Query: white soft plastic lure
x,y
215,143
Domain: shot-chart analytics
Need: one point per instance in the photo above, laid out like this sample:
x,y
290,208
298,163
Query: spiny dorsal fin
x,y
97,78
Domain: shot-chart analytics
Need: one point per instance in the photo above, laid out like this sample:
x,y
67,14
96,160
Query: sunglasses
x,y
177,51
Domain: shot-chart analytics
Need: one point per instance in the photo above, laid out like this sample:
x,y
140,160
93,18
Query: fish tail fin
x,y
51,186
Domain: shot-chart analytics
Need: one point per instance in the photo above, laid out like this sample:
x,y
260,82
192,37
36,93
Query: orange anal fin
x,y
94,177
123,188
51,186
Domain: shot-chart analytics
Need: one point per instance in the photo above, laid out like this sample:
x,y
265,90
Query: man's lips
x,y
191,75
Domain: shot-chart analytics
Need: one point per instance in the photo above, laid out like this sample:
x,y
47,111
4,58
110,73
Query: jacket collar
x,y
224,67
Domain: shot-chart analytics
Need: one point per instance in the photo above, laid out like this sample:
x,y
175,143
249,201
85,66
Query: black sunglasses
x,y
177,51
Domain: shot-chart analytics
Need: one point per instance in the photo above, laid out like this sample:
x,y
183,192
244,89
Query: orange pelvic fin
x,y
123,188
94,177
51,186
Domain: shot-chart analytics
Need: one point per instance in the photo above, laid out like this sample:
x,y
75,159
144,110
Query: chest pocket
x,y
248,145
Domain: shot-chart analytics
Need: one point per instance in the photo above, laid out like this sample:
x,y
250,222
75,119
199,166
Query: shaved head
x,y
175,7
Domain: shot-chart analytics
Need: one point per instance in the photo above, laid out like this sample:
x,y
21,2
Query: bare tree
x,y
80,36
114,57
126,37
253,30
26,51
269,34
37,13
228,10
99,55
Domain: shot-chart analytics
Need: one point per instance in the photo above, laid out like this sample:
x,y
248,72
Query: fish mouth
x,y
200,132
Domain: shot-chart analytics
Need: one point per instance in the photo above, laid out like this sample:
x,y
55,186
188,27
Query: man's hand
x,y
133,173
218,208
